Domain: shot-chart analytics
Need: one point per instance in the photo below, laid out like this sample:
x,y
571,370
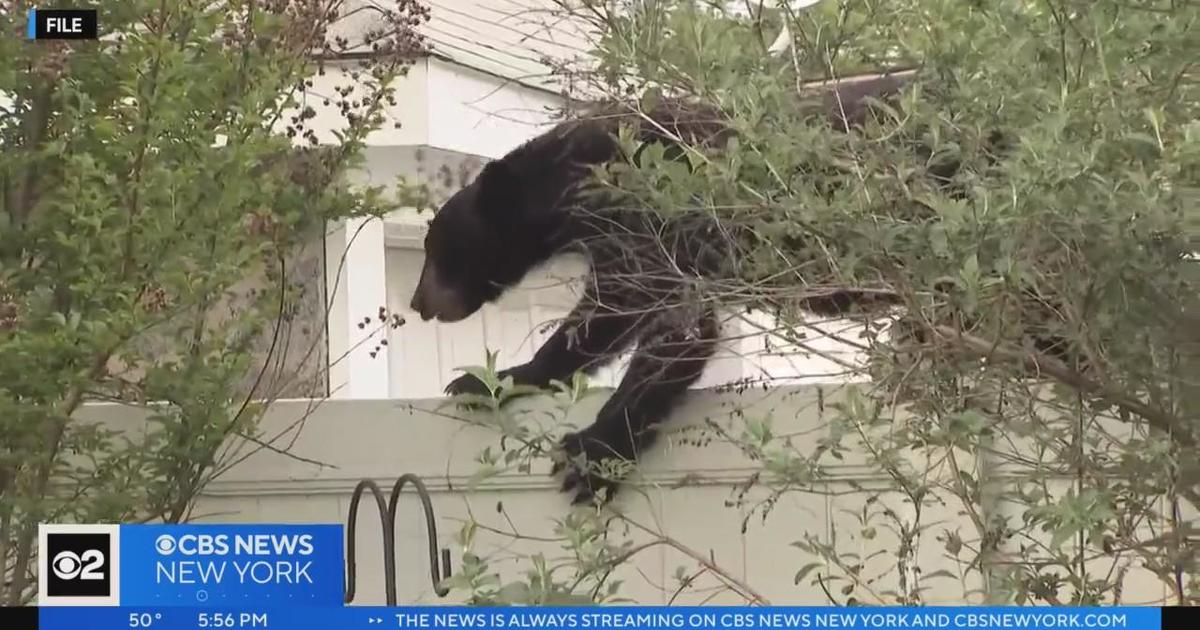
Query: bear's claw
x,y
467,384
581,458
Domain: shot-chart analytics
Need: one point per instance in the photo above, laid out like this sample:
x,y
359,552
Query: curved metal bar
x,y
389,542
431,529
387,516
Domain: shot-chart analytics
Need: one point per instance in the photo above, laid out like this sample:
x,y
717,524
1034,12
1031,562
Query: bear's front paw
x,y
468,384
593,465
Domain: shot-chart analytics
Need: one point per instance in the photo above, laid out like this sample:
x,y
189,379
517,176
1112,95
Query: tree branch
x,y
1160,419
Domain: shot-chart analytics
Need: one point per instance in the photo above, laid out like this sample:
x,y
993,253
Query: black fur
x,y
647,287
529,206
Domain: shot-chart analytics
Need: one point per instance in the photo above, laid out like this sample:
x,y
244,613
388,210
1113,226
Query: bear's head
x,y
480,242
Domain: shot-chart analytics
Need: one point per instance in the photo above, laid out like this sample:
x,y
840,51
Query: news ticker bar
x,y
595,618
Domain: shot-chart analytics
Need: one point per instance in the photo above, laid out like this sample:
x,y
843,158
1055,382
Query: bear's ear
x,y
499,192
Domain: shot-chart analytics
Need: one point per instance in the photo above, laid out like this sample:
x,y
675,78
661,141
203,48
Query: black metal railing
x,y
387,515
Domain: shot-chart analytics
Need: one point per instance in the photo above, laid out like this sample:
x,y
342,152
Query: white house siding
x,y
510,38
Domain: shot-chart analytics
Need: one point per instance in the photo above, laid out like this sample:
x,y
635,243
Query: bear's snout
x,y
432,299
417,305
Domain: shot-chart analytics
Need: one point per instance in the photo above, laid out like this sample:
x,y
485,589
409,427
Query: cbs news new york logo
x,y
78,565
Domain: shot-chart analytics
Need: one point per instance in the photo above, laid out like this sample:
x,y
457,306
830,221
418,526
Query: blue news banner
x,y
608,618
292,577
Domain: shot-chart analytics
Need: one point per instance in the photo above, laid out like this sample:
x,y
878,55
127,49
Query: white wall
x,y
411,109
477,114
442,105
686,492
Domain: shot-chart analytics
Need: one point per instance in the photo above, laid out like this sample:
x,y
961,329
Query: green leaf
x,y
650,99
805,570
513,593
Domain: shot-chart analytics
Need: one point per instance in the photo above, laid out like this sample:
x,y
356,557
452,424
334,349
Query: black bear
x,y
646,288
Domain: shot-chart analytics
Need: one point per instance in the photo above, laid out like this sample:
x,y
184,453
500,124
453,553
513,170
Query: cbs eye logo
x,y
78,565
67,565
165,544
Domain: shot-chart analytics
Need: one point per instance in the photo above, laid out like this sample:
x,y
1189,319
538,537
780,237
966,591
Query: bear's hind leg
x,y
671,356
